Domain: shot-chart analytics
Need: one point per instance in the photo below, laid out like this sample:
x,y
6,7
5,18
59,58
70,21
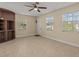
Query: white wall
x,y
58,34
30,25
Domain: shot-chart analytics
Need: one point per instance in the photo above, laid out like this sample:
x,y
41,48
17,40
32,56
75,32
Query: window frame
x,y
52,23
74,22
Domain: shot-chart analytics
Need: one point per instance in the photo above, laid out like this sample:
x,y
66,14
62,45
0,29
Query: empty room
x,y
39,29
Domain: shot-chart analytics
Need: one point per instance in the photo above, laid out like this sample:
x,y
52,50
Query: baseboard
x,y
25,36
69,43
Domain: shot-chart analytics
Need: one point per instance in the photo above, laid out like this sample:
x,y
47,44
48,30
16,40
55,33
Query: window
x,y
49,23
71,21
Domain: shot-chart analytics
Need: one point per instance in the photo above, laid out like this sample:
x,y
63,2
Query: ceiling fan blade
x,y
42,7
30,9
28,6
36,2
38,10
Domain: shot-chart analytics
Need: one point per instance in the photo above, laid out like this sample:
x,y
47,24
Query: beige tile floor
x,y
37,47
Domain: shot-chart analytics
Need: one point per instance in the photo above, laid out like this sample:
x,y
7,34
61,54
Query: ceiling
x,y
19,8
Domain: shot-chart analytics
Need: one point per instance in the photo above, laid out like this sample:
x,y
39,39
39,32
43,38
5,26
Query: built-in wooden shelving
x,y
7,25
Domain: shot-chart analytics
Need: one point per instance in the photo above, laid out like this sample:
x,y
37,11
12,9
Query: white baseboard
x,y
23,36
69,43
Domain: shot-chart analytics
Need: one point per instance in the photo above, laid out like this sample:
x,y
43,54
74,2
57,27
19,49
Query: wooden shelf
x,y
2,31
10,30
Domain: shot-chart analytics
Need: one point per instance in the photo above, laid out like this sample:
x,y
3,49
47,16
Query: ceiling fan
x,y
35,7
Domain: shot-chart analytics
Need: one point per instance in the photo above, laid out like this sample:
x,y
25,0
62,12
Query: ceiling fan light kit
x,y
35,7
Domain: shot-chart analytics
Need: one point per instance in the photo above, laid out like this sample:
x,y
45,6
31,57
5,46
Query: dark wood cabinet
x,y
7,25
11,35
2,36
10,25
1,25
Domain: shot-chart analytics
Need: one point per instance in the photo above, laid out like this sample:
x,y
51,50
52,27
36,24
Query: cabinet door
x,y
2,37
0,13
10,35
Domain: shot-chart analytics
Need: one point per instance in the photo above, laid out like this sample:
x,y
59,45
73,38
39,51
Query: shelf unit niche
x,y
7,25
